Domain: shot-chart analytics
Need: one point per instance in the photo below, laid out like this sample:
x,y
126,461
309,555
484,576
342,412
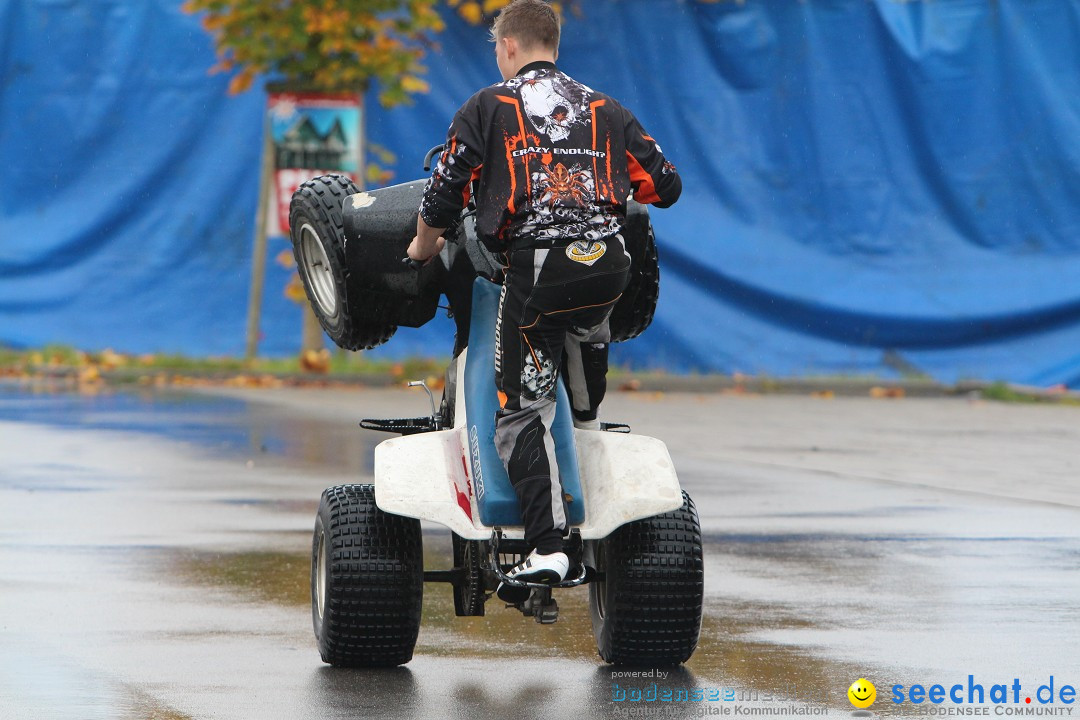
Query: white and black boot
x,y
535,568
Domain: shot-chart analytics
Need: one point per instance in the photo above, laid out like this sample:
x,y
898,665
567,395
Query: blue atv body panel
x,y
495,497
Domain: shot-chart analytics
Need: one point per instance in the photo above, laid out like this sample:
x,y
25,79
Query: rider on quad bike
x,y
551,163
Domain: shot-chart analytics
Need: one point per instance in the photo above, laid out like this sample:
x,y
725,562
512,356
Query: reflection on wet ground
x,y
260,576
220,425
753,668
728,656
743,647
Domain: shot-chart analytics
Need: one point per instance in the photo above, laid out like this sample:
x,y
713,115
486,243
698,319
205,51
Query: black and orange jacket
x,y
551,161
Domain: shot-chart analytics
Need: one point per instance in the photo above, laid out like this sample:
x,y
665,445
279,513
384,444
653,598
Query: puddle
x,y
728,656
303,507
276,577
224,426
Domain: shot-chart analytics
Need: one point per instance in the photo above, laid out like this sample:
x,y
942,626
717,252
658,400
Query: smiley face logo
x,y
862,693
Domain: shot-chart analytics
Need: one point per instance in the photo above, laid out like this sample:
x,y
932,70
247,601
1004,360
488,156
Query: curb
x,y
618,381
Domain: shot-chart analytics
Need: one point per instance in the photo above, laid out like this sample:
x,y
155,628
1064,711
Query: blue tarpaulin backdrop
x,y
870,186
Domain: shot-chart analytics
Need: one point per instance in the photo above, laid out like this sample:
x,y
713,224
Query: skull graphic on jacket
x,y
553,107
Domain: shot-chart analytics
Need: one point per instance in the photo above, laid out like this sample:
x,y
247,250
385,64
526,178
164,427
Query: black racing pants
x,y
553,315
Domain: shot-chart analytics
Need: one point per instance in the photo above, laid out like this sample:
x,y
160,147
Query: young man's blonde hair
x,y
533,23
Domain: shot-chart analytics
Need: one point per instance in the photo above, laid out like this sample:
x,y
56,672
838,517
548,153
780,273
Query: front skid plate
x,y
624,478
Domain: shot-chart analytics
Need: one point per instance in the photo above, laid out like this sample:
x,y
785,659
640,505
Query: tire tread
x,y
655,581
375,581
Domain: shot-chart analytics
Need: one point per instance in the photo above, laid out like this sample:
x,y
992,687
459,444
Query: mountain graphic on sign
x,y
303,146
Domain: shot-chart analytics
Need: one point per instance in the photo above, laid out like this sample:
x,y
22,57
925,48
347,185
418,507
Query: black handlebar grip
x,y
430,155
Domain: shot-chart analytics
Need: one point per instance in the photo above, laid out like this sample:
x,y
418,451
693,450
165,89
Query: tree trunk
x,y
312,336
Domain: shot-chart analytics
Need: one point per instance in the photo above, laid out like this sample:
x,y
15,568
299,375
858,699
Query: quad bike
x,y
635,539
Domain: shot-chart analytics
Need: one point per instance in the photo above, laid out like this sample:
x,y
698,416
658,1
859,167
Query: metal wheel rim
x,y
320,575
315,264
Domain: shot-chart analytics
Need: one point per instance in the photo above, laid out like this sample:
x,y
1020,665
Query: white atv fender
x,y
624,477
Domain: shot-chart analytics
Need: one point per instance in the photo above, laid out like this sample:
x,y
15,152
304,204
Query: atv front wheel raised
x,y
647,610
367,580
318,236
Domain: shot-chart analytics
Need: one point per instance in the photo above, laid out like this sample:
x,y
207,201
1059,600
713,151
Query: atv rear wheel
x,y
367,580
647,610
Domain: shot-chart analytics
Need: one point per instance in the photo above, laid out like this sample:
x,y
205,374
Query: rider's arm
x,y
448,190
654,179
428,241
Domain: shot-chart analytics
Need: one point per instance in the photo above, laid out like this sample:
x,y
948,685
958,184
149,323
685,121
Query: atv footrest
x,y
401,426
541,607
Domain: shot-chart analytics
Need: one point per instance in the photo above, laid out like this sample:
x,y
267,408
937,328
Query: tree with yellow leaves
x,y
322,45
331,45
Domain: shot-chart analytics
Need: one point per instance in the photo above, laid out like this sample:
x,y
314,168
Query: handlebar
x,y
430,154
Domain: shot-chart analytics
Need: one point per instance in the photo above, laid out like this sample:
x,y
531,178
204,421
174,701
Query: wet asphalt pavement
x,y
155,549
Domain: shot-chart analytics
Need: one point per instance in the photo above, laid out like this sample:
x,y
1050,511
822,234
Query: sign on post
x,y
314,134
307,135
